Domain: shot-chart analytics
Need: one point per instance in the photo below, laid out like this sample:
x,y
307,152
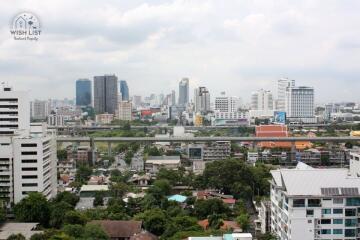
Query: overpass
x,y
115,127
60,139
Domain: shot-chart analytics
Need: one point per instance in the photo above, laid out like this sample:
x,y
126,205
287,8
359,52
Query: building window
x,y
338,200
28,153
29,161
326,211
337,211
350,222
299,203
325,231
29,177
29,184
337,231
314,203
29,169
350,232
337,221
350,212
353,202
28,145
309,212
325,221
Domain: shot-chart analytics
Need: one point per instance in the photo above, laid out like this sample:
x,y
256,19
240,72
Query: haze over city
x,y
237,47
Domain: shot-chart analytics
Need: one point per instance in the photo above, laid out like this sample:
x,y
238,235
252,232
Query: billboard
x,y
280,117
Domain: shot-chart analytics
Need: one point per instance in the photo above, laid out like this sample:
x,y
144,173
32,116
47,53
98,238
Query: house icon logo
x,y
25,26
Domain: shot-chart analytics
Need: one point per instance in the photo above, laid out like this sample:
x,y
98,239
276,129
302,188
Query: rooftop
x,y
306,181
26,229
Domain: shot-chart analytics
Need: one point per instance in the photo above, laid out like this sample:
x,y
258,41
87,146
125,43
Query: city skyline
x,y
242,48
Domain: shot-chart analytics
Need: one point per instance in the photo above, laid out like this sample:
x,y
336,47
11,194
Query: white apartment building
x,y
227,104
202,100
283,84
308,203
105,118
125,110
27,153
299,104
262,100
56,120
40,109
355,163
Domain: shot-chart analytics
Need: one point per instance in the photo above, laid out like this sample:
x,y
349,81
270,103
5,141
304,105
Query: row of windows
x,y
348,232
29,184
29,177
348,212
28,145
29,161
29,169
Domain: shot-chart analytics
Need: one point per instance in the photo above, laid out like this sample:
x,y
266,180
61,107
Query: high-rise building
x,y
173,97
27,153
124,90
299,104
261,100
314,203
125,110
283,84
202,100
105,94
40,109
183,92
83,92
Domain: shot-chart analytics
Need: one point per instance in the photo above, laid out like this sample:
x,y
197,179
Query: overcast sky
x,y
236,46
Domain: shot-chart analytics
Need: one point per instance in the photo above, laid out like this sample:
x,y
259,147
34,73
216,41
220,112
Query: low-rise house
x,y
90,190
26,229
154,163
140,180
120,230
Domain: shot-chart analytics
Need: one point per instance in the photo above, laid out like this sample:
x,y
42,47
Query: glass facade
x,y
83,92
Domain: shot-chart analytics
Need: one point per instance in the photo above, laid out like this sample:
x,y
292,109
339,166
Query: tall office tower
x,y
83,92
125,110
262,100
299,104
40,109
27,152
124,90
202,100
312,203
227,104
105,94
173,98
283,84
183,92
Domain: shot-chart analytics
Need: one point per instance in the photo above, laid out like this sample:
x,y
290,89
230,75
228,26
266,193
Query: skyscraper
x,y
202,100
299,104
39,110
173,98
262,100
283,84
105,94
124,90
83,92
184,92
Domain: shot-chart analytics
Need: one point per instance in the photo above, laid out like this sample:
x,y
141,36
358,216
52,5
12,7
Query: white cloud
x,y
232,46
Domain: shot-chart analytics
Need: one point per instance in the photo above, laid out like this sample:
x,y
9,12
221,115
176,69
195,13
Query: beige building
x,y
125,110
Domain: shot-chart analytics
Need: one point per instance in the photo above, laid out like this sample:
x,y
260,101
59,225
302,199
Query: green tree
x,y
18,236
67,197
154,220
57,213
74,230
2,212
94,232
74,217
99,199
61,154
33,208
83,173
244,221
215,220
160,188
118,190
204,208
38,236
128,157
